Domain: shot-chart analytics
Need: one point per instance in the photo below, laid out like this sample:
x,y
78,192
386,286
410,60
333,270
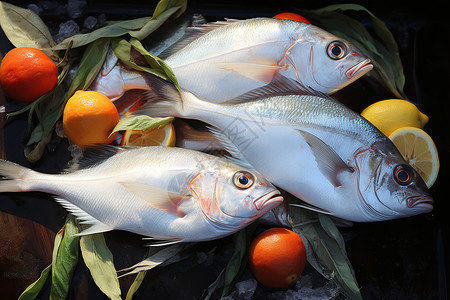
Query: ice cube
x,y
67,29
90,22
35,8
75,8
246,289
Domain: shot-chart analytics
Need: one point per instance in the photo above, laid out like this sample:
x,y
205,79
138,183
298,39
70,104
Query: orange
x,y
89,118
159,136
277,257
27,73
291,16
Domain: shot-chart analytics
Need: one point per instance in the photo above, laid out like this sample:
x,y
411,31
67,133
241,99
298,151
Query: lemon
x,y
419,151
158,136
388,115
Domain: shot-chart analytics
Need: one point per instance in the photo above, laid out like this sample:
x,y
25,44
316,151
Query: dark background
x,y
401,259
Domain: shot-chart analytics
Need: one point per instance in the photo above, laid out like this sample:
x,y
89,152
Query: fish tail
x,y
13,177
164,100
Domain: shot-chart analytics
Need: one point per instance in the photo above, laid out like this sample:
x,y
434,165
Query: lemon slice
x,y
419,151
159,136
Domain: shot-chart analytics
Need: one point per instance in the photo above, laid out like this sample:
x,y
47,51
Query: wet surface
x,y
402,259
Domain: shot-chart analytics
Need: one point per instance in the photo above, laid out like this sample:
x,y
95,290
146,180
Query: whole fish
x,y
168,194
311,146
221,60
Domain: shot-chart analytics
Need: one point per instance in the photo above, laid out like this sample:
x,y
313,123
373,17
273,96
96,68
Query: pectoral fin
x,y
263,72
329,162
84,218
157,197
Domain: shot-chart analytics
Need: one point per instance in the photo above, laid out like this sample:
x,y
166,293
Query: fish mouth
x,y
272,199
420,201
359,69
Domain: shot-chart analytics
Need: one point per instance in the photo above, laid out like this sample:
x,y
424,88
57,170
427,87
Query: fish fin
x,y
264,72
11,176
312,208
163,100
157,197
280,86
95,155
193,33
84,218
236,155
154,242
329,162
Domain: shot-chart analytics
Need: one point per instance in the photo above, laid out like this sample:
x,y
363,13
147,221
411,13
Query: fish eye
x,y
243,180
337,50
403,174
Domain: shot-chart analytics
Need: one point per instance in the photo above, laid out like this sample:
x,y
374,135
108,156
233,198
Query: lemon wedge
x,y
391,114
158,136
419,151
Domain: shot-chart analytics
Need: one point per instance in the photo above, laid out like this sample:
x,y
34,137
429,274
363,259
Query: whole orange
x,y
291,16
89,118
27,73
277,257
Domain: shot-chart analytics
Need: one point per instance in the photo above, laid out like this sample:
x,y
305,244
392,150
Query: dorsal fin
x,y
193,33
94,155
280,86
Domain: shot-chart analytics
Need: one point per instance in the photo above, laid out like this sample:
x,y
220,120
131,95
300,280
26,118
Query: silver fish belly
x,y
169,194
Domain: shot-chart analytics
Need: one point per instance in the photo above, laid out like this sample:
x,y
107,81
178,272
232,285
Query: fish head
x,y
325,62
389,187
233,196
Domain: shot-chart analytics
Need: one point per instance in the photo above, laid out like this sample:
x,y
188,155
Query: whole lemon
x,y
391,114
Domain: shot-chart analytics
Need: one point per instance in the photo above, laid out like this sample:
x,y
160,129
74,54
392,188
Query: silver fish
x,y
311,146
221,60
169,194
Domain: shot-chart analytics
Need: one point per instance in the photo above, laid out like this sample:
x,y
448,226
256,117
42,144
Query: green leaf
x,y
135,285
375,41
99,261
155,62
157,66
33,289
114,30
90,64
65,261
139,28
154,23
141,122
164,5
325,249
156,259
24,28
238,261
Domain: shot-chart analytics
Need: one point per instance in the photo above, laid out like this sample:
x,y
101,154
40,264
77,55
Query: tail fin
x,y
12,176
163,100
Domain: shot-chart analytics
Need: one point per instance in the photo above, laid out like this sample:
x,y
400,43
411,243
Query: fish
x,y
232,57
218,61
309,145
166,194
